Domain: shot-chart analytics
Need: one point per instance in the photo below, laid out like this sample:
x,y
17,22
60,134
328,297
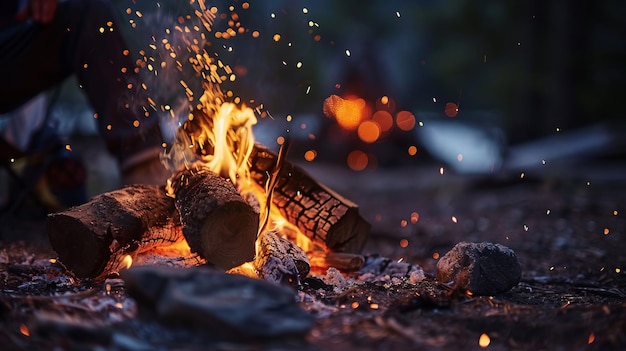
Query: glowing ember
x,y
127,262
484,340
24,330
591,338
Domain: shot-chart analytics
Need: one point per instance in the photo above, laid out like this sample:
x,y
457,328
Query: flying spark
x,y
24,330
591,338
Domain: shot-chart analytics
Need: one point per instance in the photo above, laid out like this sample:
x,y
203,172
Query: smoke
x,y
165,39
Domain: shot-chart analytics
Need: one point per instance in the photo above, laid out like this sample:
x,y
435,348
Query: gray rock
x,y
225,306
481,268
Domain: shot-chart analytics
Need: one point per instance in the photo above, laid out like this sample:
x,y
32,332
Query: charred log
x,y
320,213
217,223
280,261
91,238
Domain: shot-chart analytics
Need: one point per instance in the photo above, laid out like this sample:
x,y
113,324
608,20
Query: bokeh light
x,y
348,111
357,160
451,109
310,155
405,120
384,120
369,131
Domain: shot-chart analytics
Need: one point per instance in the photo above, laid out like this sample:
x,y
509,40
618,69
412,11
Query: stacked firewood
x,y
218,224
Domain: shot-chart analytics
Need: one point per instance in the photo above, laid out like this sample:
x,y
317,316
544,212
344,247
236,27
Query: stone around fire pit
x,y
224,306
481,268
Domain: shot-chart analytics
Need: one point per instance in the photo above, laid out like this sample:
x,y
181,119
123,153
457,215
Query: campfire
x,y
242,208
230,202
247,248
241,220
245,243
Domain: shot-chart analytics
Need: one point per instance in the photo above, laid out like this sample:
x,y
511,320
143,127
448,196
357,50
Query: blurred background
x,y
476,87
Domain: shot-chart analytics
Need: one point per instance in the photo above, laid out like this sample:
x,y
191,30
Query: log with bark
x,y
92,238
320,213
217,222
280,261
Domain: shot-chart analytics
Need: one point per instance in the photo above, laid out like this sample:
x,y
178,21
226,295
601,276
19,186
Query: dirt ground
x,y
567,228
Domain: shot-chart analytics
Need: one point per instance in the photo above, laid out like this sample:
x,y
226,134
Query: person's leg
x,y
95,50
84,40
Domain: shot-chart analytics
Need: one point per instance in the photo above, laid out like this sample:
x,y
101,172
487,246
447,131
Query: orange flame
x,y
218,133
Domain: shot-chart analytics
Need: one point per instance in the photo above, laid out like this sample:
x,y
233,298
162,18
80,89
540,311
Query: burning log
x,y
217,223
321,214
91,238
280,261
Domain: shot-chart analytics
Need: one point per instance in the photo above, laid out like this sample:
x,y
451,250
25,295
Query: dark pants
x,y
35,57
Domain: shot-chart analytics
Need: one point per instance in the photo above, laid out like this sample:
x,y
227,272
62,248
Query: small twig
x,y
271,181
